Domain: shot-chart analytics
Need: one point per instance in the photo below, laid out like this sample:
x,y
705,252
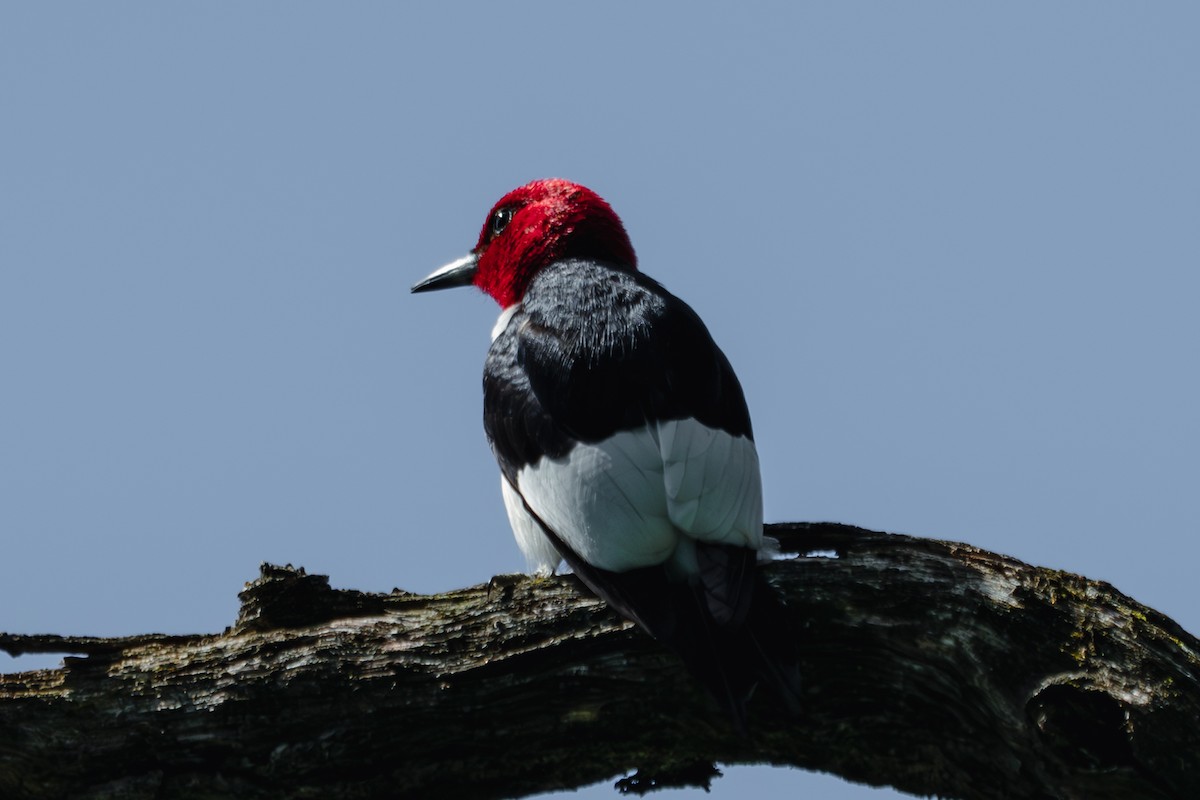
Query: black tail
x,y
732,646
731,630
735,659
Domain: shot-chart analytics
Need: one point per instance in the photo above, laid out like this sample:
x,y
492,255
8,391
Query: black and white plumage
x,y
623,438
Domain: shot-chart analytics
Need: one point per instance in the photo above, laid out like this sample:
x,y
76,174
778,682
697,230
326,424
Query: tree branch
x,y
930,666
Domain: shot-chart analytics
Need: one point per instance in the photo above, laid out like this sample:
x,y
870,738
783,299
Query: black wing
x,y
595,350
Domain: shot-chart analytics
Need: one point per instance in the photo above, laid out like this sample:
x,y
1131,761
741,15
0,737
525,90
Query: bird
x,y
623,438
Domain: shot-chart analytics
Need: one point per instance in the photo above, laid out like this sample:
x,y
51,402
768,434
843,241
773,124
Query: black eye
x,y
500,219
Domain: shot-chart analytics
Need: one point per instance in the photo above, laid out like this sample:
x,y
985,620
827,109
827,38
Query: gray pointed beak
x,y
456,273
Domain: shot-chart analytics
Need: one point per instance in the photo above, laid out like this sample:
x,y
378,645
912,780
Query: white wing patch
x,y
636,498
713,483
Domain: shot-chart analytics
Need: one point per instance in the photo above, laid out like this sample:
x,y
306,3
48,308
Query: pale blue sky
x,y
951,249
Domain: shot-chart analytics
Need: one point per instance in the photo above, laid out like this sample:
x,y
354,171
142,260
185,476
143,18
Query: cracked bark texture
x,y
930,666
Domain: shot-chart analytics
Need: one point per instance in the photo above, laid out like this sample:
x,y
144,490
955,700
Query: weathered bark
x,y
930,666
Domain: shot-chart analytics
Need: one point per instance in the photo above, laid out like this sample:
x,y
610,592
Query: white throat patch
x,y
502,322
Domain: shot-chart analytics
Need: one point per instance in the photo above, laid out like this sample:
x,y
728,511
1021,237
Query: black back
x,y
594,350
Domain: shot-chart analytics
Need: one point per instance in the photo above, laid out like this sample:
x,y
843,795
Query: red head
x,y
530,227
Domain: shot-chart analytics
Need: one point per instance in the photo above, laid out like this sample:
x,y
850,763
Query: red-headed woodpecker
x,y
623,438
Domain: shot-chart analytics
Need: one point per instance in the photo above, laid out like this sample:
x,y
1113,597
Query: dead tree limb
x,y
930,666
